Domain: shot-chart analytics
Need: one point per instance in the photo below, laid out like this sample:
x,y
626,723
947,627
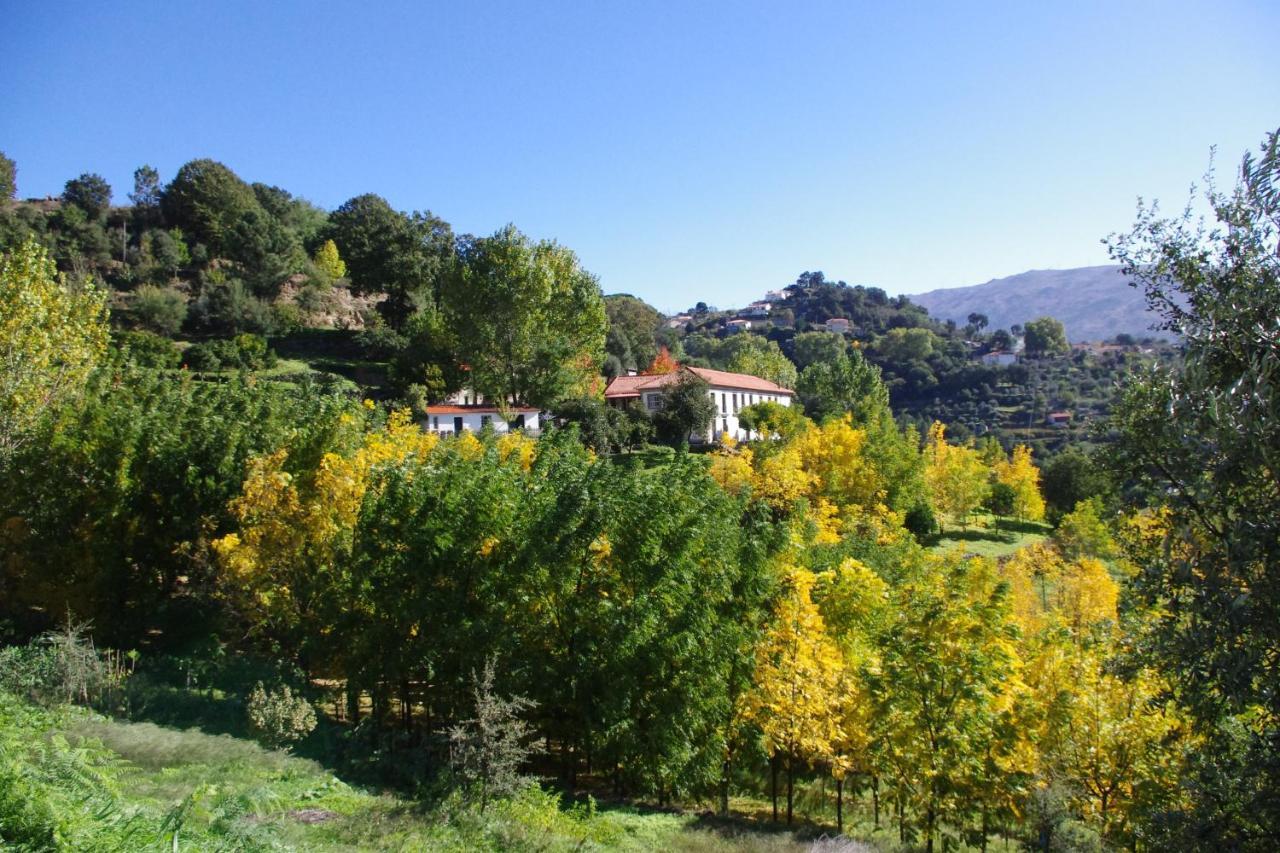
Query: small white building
x,y
737,325
451,419
729,391
679,320
839,325
756,309
1001,358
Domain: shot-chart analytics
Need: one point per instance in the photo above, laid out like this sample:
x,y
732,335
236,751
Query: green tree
x,y
529,320
8,178
831,388
160,309
89,192
1046,336
51,337
816,347
208,201
686,410
633,329
756,356
146,189
1205,440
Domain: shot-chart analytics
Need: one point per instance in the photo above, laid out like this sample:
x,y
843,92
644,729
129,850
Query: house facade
x,y
454,419
730,392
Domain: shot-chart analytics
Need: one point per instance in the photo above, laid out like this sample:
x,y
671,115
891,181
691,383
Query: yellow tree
x,y
328,261
956,478
796,683
294,530
51,338
1020,474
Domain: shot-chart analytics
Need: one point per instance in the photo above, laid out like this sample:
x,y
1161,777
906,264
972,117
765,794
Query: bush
x,y
1001,500
245,351
145,349
486,752
64,666
159,309
921,521
278,718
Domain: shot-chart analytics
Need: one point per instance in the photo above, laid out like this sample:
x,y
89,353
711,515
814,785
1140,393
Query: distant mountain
x,y
1094,303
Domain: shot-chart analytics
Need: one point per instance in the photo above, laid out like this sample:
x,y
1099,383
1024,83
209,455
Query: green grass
x,y
987,536
223,792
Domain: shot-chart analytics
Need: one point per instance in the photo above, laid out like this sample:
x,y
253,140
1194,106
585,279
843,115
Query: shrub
x,y
64,666
921,521
245,351
278,718
159,309
486,752
145,349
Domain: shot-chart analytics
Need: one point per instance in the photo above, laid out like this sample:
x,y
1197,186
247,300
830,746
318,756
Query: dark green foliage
x,y
89,192
1205,442
390,252
207,200
8,178
159,309
144,349
243,352
633,330
146,191
114,507
1068,478
1001,500
687,410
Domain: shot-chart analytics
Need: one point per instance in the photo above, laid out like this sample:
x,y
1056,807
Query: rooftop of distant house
x,y
634,386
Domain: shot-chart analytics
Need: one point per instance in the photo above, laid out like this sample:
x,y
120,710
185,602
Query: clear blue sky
x,y
685,150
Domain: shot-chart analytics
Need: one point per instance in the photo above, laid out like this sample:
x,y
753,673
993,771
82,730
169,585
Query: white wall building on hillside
x,y
729,391
451,419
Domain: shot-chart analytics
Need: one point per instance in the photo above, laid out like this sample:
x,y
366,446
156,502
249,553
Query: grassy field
x,y
110,784
992,537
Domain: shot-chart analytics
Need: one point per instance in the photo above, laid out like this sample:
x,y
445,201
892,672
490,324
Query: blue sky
x,y
686,151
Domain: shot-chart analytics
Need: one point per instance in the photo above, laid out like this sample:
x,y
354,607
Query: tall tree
x,y
1022,477
386,251
1046,336
207,201
530,321
146,188
8,178
89,192
51,337
957,480
1205,441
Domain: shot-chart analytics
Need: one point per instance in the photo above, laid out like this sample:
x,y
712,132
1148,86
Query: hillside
x,y
1094,303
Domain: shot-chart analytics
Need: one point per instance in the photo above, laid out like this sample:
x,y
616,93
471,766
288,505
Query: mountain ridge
x,y
1093,303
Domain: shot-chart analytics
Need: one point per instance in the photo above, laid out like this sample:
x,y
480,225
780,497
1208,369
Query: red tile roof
x,y
449,409
632,386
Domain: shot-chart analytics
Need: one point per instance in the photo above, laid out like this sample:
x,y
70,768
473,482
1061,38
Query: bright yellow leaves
x,y
797,676
1023,478
51,338
328,261
1046,589
289,529
956,477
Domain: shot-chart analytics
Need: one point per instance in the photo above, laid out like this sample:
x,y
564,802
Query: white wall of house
x,y
728,402
449,424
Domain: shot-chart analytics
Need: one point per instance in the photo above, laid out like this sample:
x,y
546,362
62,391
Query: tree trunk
x,y
724,789
875,798
773,784
840,806
791,776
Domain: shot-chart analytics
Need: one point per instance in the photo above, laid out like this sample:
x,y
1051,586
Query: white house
x,y
756,309
679,320
839,325
737,325
776,296
1002,358
729,391
451,419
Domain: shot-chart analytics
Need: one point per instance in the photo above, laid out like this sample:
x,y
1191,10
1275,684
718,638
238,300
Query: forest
x,y
222,515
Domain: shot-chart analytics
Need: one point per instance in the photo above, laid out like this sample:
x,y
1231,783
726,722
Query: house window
x,y
651,402
735,403
485,420
724,403
435,423
724,425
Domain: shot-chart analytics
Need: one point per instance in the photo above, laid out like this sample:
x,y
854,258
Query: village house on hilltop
x,y
729,392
